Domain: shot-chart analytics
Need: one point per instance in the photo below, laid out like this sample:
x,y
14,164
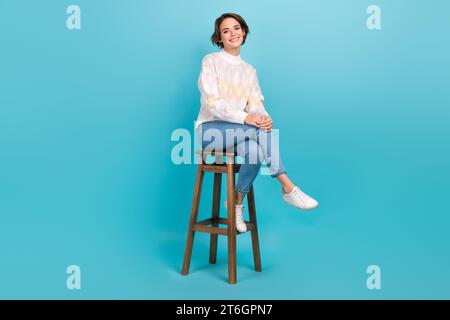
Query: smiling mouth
x,y
234,39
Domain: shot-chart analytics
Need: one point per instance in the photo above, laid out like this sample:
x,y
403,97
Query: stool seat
x,y
212,225
213,152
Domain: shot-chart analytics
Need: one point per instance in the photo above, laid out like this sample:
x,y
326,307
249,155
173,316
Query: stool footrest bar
x,y
204,226
212,230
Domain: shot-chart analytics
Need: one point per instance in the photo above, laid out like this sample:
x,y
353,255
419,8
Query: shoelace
x,y
239,215
300,194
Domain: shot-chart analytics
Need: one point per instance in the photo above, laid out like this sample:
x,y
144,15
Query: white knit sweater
x,y
229,89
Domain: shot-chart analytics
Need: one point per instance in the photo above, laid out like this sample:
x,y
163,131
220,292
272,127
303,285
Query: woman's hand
x,y
252,119
262,122
265,123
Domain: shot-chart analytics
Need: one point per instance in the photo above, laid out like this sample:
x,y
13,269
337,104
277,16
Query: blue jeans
x,y
249,142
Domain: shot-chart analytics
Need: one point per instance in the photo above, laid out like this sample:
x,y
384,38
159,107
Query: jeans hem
x,y
242,191
278,173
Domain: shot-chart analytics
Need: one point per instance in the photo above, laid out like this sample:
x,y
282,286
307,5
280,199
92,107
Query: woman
x,y
232,102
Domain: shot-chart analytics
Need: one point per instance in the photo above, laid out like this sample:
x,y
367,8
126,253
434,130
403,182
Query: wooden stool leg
x,y
215,216
231,230
255,240
193,219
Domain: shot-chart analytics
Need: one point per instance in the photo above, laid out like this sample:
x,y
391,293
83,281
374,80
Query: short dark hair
x,y
215,38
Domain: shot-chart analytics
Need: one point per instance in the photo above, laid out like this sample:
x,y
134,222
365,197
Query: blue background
x,y
86,175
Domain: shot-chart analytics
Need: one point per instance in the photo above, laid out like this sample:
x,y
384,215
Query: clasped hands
x,y
261,121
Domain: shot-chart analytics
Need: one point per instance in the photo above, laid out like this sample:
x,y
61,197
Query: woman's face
x,y
231,33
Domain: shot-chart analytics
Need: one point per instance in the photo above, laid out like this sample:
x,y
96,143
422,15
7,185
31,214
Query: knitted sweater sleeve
x,y
210,95
255,102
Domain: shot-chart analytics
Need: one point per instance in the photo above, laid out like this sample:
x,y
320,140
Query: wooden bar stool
x,y
211,225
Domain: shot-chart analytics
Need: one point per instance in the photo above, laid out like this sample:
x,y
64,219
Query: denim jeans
x,y
252,144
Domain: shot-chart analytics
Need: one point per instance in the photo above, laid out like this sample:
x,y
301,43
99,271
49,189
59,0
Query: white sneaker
x,y
239,210
299,199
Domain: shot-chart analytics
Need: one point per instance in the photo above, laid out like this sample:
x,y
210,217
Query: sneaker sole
x,y
306,209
